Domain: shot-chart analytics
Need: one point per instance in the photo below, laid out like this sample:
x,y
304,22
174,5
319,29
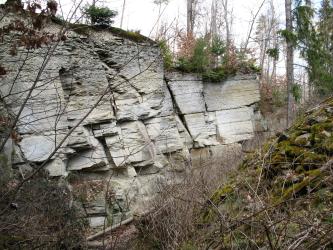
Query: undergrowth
x,y
280,197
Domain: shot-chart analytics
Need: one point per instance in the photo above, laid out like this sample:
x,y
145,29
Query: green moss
x,y
327,145
313,173
131,35
85,30
221,193
214,75
294,189
302,142
320,127
310,178
287,169
189,245
312,159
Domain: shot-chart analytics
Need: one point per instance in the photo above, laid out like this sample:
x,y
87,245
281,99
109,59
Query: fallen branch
x,y
109,229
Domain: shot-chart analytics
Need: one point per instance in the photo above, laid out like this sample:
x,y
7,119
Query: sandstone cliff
x,y
141,126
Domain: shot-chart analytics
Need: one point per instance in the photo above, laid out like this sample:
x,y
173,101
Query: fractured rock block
x,y
37,148
235,125
79,106
56,168
233,93
184,134
164,133
106,130
132,145
91,159
188,93
203,130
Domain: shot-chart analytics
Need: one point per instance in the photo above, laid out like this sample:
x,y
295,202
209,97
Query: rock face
x,y
135,127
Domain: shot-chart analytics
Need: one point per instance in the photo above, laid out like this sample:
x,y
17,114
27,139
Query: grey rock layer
x,y
138,129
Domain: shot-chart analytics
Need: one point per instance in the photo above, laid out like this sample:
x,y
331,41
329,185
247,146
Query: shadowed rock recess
x,y
142,132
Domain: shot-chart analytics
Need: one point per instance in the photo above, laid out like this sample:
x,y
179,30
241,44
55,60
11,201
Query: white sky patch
x,y
142,14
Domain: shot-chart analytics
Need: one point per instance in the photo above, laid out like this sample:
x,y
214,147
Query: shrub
x,y
199,61
213,60
296,90
100,15
166,54
40,216
173,217
215,75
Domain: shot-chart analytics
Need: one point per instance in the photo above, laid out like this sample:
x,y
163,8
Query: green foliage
x,y
282,184
215,75
199,61
315,43
289,36
100,15
85,29
214,63
296,90
166,54
200,58
274,53
218,47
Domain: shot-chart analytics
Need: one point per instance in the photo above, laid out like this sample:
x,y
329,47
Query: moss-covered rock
x,y
279,192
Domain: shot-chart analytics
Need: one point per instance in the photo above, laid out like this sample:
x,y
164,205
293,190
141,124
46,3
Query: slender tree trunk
x,y
275,41
190,17
226,20
213,30
289,60
214,19
122,14
275,46
93,4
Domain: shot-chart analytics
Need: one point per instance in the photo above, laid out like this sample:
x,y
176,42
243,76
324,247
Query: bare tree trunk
x,y
289,60
214,19
190,17
213,30
275,45
263,56
122,14
227,24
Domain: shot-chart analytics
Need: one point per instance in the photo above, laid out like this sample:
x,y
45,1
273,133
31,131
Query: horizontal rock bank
x,y
116,121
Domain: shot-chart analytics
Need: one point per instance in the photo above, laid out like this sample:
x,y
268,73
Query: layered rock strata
x,y
135,126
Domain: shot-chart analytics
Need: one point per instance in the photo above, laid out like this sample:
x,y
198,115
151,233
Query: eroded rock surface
x,y
135,127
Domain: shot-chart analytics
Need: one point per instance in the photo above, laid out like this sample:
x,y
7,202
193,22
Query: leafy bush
x,y
166,54
218,47
213,60
215,75
279,97
274,53
199,61
100,15
296,91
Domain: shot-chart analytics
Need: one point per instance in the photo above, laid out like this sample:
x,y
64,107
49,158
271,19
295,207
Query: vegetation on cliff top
x,y
211,58
85,29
